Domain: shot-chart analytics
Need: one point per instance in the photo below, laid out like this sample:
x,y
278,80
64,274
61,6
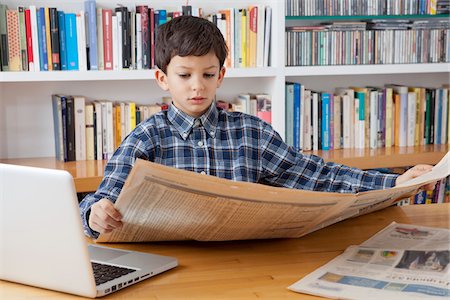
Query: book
x,y
90,131
80,127
43,57
70,27
107,39
23,38
12,24
62,40
29,41
100,39
48,37
91,34
34,38
4,63
54,38
58,127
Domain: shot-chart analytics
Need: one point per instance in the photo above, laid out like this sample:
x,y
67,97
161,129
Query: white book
x,y
133,40
260,36
347,124
389,117
373,119
115,43
90,135
80,127
100,50
81,40
307,144
445,113
138,41
98,130
108,129
267,35
357,125
35,65
232,41
411,117
337,121
119,40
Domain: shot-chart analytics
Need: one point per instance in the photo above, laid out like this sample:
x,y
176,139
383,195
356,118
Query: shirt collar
x,y
184,123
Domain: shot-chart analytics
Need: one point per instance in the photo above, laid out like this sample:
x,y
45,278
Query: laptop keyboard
x,y
104,273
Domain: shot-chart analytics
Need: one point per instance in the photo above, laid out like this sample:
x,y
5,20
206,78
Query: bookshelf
x,y
26,125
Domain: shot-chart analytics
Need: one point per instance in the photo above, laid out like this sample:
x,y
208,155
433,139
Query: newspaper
x,y
400,262
160,203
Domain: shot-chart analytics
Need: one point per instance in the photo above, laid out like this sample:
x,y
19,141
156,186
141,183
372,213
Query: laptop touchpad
x,y
104,254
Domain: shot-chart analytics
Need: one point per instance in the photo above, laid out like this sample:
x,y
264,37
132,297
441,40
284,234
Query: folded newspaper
x,y
400,262
160,203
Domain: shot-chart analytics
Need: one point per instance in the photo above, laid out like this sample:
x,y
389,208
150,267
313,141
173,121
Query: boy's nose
x,y
197,84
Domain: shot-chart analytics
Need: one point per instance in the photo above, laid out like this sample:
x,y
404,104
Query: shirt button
x,y
184,135
211,132
200,143
203,172
197,123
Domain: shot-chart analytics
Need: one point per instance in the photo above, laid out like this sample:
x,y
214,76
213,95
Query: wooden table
x,y
250,269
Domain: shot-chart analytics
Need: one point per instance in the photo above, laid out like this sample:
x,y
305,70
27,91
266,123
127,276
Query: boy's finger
x,y
109,208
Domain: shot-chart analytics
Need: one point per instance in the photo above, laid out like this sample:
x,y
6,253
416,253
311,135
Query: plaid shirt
x,y
229,145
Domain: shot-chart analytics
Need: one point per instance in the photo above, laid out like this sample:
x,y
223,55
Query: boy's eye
x,y
209,75
184,75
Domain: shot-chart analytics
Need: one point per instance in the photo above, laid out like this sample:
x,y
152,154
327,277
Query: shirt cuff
x,y
88,230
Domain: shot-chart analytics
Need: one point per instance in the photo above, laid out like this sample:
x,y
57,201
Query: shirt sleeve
x,y
286,166
116,172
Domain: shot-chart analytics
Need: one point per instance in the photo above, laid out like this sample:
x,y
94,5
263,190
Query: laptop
x,y
42,241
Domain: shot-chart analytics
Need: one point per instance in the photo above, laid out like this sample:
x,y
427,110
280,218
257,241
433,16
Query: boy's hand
x,y
414,172
104,218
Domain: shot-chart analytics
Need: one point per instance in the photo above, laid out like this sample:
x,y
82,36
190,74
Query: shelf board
x,y
117,75
88,174
385,157
367,69
360,17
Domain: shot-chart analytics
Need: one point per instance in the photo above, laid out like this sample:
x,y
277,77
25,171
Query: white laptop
x,y
42,241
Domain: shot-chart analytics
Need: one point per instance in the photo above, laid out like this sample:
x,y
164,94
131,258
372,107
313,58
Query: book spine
x,y
62,40
107,39
80,127
12,23
43,58
23,39
151,24
70,129
29,40
90,137
91,38
54,38
100,39
4,57
325,121
297,115
48,37
34,38
58,127
70,26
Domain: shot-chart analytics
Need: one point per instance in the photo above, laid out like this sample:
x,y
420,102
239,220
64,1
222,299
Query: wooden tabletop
x,y
251,269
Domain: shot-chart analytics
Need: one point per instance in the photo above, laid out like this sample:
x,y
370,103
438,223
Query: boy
x,y
194,135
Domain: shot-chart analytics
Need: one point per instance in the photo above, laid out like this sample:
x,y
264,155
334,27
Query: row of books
x,y
46,38
364,7
366,117
322,45
92,130
440,194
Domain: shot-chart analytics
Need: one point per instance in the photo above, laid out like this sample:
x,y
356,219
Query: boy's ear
x,y
161,79
221,76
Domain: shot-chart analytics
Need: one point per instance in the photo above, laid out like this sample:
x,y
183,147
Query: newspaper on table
x,y
400,262
160,203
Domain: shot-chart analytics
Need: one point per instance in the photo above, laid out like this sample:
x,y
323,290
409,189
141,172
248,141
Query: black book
x,y
126,36
70,128
54,36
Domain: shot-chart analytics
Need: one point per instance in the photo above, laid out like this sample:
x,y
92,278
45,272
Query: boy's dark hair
x,y
185,36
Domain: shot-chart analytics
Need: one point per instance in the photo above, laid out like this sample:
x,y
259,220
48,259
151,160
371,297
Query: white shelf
x,y
367,69
116,75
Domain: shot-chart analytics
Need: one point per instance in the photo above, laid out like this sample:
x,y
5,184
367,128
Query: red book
x,y
107,38
145,34
151,15
29,39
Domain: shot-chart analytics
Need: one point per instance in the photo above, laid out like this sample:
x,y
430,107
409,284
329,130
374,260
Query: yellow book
x,y
117,127
243,13
48,38
420,114
252,35
397,120
432,7
132,107
90,135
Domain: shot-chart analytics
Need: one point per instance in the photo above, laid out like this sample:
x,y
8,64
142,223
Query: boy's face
x,y
192,82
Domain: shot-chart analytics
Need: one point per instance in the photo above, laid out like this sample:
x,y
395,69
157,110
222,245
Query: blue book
x,y
325,121
42,41
162,16
91,22
297,104
62,40
70,27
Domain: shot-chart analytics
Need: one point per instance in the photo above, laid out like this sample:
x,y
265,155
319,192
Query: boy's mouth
x,y
198,100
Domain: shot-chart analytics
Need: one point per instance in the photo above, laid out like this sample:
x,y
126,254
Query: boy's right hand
x,y
104,218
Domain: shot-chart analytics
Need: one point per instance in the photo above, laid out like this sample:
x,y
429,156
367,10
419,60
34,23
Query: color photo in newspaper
x,y
400,262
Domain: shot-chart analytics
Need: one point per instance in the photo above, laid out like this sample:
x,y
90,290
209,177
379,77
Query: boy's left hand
x,y
414,172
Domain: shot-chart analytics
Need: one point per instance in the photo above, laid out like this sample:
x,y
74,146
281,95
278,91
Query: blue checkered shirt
x,y
229,145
